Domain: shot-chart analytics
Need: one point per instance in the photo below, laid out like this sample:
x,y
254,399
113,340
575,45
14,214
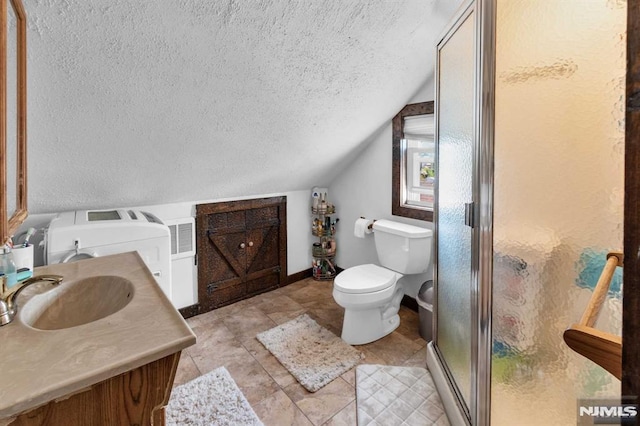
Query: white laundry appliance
x,y
83,234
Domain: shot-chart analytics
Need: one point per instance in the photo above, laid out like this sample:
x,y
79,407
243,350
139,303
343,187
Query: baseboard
x,y
307,273
298,276
189,311
193,310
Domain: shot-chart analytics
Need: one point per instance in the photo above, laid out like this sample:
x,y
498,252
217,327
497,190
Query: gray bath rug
x,y
212,399
312,354
391,395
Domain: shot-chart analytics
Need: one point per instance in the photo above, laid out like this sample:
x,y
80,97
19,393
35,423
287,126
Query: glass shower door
x,y
558,201
454,186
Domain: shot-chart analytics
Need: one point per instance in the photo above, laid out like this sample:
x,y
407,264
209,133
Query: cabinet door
x,y
227,256
242,249
263,249
263,267
222,265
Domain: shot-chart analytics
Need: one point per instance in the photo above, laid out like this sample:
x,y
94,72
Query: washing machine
x,y
83,234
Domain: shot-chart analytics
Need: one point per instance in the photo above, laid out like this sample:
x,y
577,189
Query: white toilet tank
x,y
402,248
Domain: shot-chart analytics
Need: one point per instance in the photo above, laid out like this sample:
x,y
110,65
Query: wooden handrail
x,y
604,349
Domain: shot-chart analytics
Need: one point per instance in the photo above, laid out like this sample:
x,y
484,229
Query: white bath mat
x,y
392,395
212,399
312,354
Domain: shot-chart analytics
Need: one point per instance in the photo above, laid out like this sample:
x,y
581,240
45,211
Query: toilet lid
x,y
364,279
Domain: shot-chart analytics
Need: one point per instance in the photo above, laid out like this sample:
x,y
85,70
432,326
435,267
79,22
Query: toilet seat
x,y
364,279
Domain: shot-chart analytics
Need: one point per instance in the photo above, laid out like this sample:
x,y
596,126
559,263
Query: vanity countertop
x,y
37,366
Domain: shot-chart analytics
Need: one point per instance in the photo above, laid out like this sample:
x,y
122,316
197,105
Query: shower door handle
x,y
468,214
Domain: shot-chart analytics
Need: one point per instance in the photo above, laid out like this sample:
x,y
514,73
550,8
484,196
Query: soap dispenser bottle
x,y
8,267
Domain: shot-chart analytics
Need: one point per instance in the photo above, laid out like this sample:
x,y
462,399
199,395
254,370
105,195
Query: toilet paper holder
x,y
371,225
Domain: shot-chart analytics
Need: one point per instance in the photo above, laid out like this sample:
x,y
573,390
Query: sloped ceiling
x,y
148,102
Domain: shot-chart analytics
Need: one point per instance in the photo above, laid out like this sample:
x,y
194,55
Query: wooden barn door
x,y
241,249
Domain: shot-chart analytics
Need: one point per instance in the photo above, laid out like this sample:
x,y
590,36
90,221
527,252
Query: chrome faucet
x,y
8,297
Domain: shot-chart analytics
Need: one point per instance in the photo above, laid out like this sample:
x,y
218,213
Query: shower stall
x,y
529,200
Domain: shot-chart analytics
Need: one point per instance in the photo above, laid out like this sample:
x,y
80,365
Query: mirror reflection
x,y
419,149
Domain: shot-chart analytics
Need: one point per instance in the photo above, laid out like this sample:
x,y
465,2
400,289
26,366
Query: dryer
x,y
82,234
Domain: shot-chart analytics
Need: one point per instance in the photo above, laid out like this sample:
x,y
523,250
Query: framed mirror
x,y
413,161
13,117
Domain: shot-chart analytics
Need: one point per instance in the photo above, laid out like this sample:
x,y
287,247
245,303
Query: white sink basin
x,y
78,302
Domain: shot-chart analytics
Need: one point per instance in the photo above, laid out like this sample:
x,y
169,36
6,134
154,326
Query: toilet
x,y
371,294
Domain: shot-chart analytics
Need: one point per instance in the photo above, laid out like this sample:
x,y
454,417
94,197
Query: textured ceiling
x,y
148,102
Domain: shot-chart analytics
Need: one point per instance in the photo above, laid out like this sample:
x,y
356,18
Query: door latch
x,y
469,214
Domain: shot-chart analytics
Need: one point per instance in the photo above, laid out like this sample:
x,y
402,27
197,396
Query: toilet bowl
x,y
371,294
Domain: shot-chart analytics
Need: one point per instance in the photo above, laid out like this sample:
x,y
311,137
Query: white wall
x,y
364,189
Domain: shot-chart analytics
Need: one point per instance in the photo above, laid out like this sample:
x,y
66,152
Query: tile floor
x,y
397,395
226,337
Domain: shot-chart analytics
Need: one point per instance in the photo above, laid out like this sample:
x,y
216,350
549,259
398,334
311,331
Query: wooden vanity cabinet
x,y
137,397
242,249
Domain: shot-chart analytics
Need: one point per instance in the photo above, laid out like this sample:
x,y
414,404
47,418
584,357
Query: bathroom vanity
x,y
102,347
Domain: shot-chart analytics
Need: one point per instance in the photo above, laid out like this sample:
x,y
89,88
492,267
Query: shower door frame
x,y
479,410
